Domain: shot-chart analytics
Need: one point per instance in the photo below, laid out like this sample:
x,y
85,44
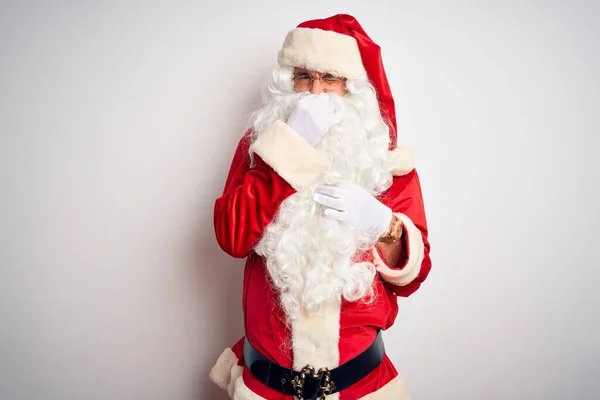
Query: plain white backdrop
x,y
117,124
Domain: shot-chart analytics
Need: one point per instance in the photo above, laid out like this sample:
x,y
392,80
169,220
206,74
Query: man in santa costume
x,y
328,212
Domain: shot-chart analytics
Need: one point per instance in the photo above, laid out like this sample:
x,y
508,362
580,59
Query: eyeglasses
x,y
304,80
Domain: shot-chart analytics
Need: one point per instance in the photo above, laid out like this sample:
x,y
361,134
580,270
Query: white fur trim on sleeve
x,y
323,51
226,371
402,161
416,253
290,155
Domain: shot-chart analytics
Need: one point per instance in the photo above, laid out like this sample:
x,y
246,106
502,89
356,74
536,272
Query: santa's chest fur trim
x,y
315,338
290,155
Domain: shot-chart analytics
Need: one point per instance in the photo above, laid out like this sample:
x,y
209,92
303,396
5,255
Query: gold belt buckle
x,y
327,385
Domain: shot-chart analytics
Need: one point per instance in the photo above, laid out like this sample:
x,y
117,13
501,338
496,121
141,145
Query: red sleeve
x,y
406,201
249,202
238,350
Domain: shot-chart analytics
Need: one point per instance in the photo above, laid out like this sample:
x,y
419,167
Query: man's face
x,y
316,83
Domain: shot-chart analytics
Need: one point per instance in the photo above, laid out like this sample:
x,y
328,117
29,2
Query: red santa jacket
x,y
285,163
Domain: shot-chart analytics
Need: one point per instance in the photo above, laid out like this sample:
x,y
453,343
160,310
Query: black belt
x,y
310,384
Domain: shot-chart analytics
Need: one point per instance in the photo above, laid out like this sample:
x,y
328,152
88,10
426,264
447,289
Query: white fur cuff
x,y
416,253
323,51
290,155
226,371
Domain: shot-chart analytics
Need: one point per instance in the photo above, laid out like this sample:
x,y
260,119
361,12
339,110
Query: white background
x,y
117,124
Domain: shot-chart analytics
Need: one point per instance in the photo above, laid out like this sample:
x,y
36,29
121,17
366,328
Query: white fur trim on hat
x,y
402,161
323,51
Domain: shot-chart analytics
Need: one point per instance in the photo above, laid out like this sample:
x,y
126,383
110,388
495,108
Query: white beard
x,y
312,259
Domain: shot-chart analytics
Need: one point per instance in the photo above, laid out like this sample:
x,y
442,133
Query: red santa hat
x,y
339,45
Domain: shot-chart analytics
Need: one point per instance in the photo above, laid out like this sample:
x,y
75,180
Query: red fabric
x,y
238,350
405,196
248,204
371,58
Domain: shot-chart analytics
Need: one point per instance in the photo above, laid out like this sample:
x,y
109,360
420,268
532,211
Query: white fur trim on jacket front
x,y
290,155
416,253
323,51
395,389
315,339
243,392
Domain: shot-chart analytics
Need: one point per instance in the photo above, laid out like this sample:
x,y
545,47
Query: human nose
x,y
316,86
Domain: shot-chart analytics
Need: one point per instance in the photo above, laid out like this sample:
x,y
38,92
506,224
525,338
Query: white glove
x,y
312,116
349,202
